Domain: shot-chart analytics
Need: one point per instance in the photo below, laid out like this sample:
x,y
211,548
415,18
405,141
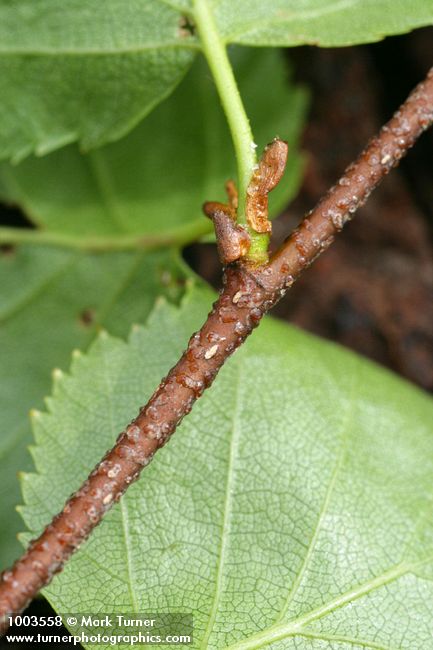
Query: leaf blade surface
x,y
291,510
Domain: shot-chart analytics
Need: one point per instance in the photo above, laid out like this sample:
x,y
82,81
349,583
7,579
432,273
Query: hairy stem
x,y
243,141
248,293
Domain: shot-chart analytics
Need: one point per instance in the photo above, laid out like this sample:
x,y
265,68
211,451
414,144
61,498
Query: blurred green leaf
x,y
328,23
89,72
154,181
84,71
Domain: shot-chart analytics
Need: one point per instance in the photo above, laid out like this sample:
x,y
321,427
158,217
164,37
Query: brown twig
x,y
248,293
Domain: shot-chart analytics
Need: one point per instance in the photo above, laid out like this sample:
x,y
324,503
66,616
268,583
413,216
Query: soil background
x,y
373,290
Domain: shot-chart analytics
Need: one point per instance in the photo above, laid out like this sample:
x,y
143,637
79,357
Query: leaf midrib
x,y
228,502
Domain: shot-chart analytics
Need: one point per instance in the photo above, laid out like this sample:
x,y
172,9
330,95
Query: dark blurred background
x,y
373,290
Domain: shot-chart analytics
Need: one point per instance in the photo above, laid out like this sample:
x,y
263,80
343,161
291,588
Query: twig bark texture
x,y
248,293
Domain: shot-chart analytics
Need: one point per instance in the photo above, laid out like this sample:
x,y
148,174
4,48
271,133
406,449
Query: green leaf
x,y
153,182
51,302
328,23
84,71
89,72
292,509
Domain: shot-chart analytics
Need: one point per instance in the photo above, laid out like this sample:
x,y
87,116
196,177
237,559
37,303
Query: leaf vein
x,y
228,503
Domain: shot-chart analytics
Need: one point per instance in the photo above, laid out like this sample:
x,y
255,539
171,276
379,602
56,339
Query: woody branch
x,y
248,293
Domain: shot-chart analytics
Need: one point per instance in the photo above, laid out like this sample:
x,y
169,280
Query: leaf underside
x,y
327,23
154,181
292,509
89,72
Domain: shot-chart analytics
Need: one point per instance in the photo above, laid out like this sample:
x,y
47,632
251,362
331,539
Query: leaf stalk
x,y
217,58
